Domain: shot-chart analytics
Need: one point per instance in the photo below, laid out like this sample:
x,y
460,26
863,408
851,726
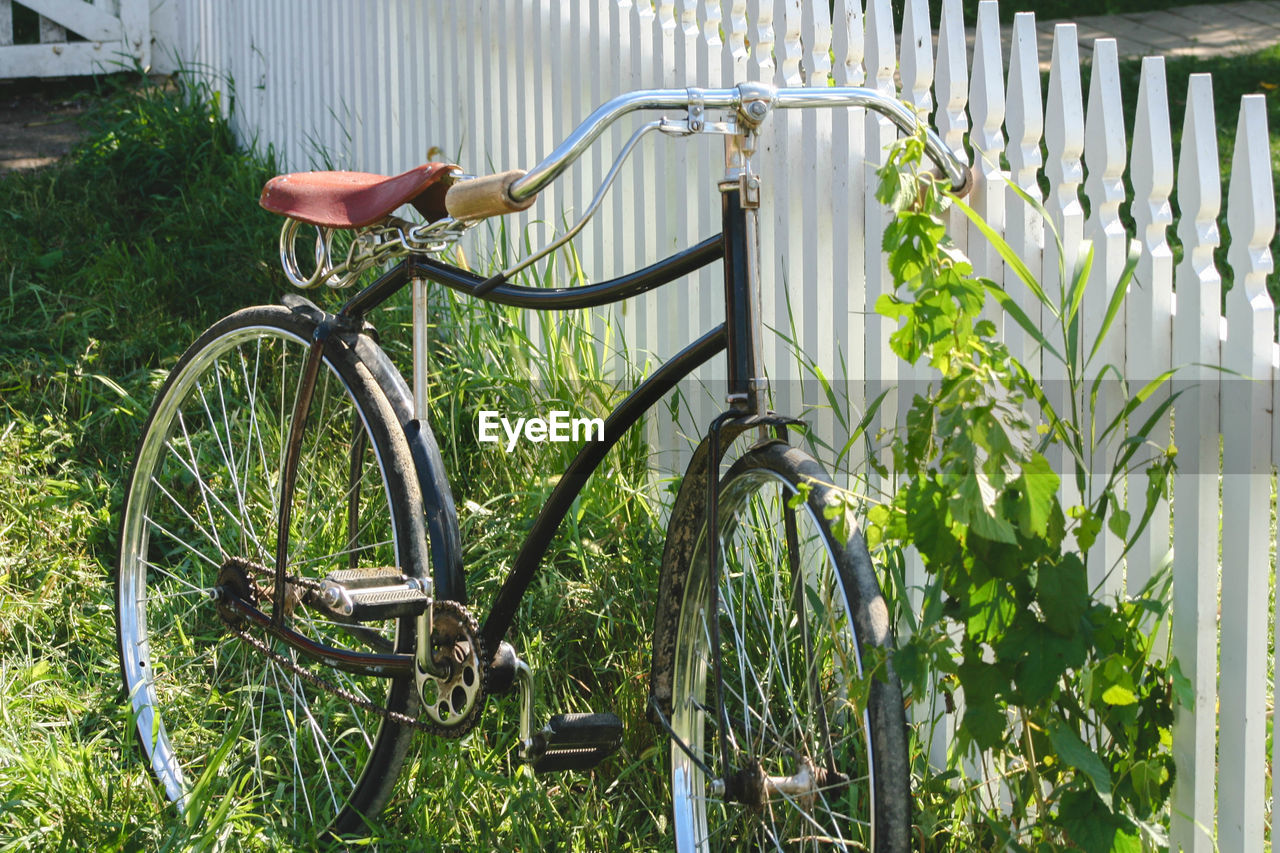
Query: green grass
x,y
1048,10
112,261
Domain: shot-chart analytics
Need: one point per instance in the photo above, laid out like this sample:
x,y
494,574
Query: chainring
x,y
453,704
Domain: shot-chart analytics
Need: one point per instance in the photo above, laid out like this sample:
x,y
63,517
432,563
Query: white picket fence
x,y
386,85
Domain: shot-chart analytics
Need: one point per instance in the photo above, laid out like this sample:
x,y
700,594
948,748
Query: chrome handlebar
x,y
750,104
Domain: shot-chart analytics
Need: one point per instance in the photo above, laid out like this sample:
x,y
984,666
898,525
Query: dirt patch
x,y
40,121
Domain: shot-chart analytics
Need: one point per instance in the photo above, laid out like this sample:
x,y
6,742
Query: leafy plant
x,y
1065,694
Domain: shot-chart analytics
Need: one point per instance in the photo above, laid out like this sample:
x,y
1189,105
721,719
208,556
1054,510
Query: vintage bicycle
x,y
291,601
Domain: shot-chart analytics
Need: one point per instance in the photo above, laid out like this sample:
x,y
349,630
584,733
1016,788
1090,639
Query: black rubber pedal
x,y
374,605
365,578
578,741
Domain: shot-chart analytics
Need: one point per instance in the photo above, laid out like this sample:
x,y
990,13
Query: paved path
x,y
1210,29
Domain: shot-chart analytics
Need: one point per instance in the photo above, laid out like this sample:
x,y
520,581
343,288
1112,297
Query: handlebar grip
x,y
490,195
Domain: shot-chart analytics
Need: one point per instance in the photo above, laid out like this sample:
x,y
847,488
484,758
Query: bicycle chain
x,y
460,613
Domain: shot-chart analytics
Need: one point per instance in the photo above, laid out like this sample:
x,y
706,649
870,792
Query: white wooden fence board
x,y
1195,523
790,211
1246,486
1064,142
1104,153
882,365
56,60
987,109
1148,306
815,293
1024,227
848,252
715,61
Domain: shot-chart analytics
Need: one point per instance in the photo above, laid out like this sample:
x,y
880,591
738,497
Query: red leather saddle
x,y
357,199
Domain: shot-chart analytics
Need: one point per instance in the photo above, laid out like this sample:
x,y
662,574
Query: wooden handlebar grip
x,y
482,197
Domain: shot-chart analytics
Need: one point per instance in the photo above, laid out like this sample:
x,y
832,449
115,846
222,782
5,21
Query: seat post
x,y
421,339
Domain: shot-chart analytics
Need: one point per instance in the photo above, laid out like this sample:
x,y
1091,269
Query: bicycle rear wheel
x,y
816,728
215,715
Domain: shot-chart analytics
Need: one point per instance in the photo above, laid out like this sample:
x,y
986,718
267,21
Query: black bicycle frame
x,y
735,335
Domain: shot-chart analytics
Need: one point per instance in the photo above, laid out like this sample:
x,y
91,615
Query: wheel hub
x,y
754,788
233,579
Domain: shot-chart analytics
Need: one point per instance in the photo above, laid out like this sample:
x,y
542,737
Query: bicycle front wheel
x,y
216,714
811,713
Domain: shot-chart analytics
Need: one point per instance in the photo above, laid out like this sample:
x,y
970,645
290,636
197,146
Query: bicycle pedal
x,y
577,741
362,578
372,595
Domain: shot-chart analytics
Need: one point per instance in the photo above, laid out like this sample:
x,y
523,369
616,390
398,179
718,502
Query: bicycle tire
x,y
842,718
202,494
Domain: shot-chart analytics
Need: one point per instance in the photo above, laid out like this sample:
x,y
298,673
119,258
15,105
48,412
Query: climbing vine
x,y
1066,695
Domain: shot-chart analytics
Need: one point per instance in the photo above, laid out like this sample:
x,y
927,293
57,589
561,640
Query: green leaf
x,y
983,723
1073,751
1148,779
1090,826
840,515
974,504
1118,522
1183,689
1038,487
1043,657
1125,842
1079,281
1118,694
1062,590
1087,528
991,611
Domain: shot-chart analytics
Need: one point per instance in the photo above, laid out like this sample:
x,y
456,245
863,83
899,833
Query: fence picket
x,y
1149,303
816,324
1195,509
668,164
693,222
1064,142
786,168
986,109
726,58
882,366
952,89
761,67
917,73
642,164
1024,227
1246,486
1104,152
617,75
848,253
